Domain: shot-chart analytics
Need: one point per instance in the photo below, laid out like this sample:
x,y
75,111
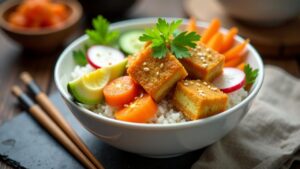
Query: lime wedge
x,y
118,69
88,88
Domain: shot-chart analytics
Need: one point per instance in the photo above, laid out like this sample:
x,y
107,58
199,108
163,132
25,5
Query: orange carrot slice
x,y
211,30
216,41
120,91
241,66
192,25
236,51
234,62
140,111
229,40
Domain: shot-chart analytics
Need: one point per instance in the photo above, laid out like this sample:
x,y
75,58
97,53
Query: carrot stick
x,y
216,41
211,30
236,51
192,25
241,66
234,62
228,39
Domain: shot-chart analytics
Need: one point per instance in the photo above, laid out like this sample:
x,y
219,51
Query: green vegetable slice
x,y
129,41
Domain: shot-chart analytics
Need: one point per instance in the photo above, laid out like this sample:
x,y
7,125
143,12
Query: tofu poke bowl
x,y
159,87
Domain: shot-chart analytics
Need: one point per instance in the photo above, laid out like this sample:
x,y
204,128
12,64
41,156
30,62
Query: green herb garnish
x,y
165,37
101,34
251,74
79,56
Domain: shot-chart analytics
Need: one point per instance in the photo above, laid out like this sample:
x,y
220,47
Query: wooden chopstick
x,y
51,127
56,116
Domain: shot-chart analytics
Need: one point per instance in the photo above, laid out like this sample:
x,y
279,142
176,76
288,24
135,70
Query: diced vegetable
x,y
211,30
216,42
231,80
140,111
236,51
229,39
129,41
100,56
88,88
120,91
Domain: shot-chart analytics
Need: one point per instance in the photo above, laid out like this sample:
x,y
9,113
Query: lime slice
x,y
117,69
88,88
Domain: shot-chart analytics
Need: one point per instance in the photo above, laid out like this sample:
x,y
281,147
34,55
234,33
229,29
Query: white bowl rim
x,y
147,126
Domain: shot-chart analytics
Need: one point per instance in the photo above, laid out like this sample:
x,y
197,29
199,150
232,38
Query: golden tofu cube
x,y
205,63
197,99
156,76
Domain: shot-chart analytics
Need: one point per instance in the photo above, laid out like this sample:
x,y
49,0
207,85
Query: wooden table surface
x,y
13,60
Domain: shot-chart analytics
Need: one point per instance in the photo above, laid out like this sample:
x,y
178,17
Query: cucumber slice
x,y
88,88
130,43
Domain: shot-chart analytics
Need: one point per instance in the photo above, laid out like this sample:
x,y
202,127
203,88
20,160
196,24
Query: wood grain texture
x,y
12,62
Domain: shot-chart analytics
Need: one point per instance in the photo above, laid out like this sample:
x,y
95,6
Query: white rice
x,y
236,97
166,113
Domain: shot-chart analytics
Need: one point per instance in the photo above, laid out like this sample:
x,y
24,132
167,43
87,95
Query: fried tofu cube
x,y
205,63
197,99
156,76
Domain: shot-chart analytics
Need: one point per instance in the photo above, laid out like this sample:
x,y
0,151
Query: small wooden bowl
x,y
44,39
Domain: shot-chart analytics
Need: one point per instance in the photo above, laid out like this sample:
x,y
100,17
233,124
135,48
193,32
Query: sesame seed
x,y
144,63
205,83
214,88
125,105
157,73
197,84
161,65
186,83
191,82
202,94
204,65
208,86
146,69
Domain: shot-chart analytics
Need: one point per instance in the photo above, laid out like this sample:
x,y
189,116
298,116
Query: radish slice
x,y
231,80
100,56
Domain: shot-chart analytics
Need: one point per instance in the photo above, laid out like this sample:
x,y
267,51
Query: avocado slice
x,y
88,88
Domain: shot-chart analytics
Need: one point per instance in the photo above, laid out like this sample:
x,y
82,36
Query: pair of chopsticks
x,y
54,122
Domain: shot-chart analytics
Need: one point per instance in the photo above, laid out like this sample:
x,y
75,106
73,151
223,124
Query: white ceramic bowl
x,y
154,140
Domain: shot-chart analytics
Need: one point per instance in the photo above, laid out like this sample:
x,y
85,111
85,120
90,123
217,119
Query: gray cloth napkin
x,y
269,135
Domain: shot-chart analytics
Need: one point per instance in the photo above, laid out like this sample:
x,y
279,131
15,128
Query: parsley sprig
x,y
100,34
79,56
165,38
251,74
